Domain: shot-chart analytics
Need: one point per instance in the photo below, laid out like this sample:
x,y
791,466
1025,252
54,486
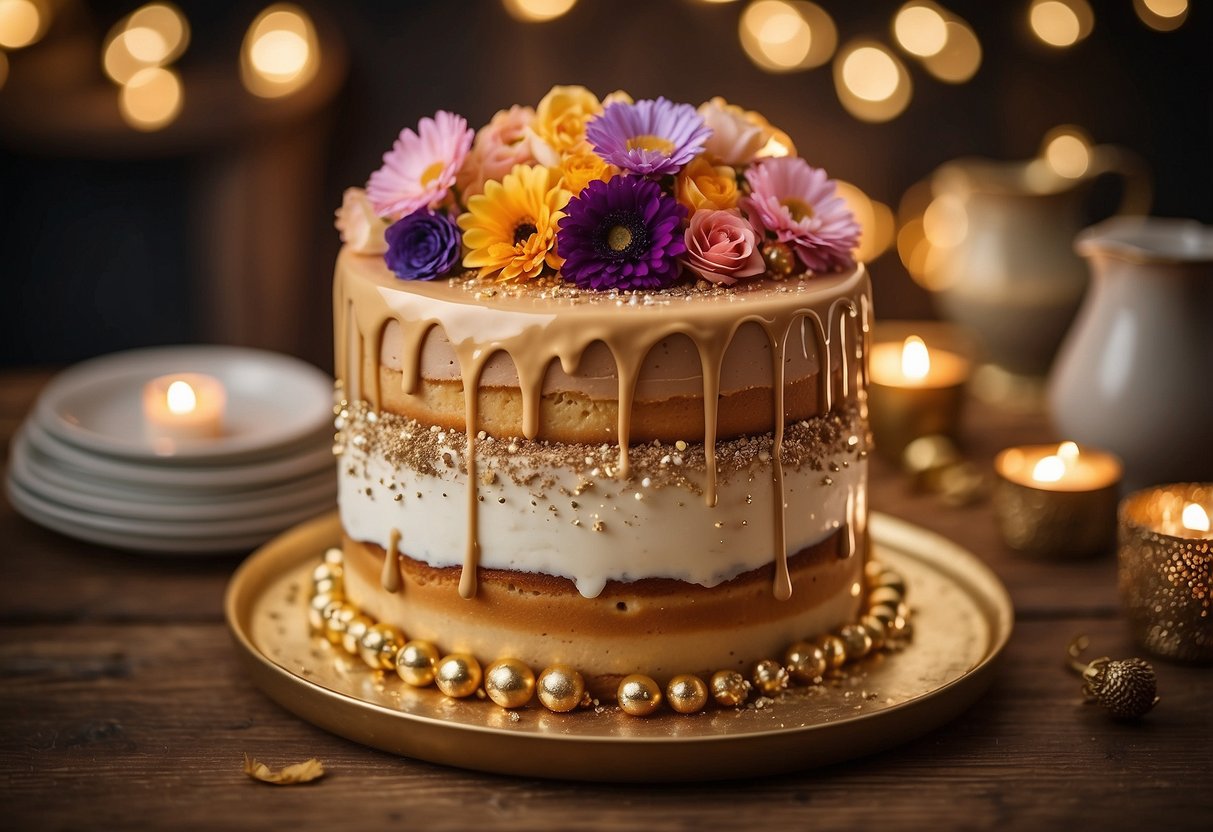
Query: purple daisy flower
x,y
648,137
621,234
422,246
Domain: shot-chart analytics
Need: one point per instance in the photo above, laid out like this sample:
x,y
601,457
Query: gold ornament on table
x,y
509,683
687,694
561,688
780,260
458,675
417,662
1127,688
639,695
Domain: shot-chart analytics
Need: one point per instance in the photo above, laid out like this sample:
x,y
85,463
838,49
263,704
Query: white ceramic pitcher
x,y
1135,374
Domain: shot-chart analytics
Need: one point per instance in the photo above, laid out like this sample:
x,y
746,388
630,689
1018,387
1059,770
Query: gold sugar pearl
x,y
355,629
875,629
337,620
884,595
320,607
327,572
729,688
328,586
885,614
857,641
687,694
379,646
835,651
334,556
888,579
639,695
509,683
872,571
770,677
780,260
416,663
458,675
561,688
806,663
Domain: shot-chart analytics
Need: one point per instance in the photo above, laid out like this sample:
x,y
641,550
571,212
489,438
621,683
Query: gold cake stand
x,y
962,620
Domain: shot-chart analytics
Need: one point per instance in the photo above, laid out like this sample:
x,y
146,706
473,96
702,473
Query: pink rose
x,y
722,247
361,229
499,145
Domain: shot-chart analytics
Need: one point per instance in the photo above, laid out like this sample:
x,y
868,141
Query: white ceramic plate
x,y
43,481
147,536
273,400
263,472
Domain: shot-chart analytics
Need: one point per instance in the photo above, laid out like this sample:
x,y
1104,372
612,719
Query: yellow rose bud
x,y
581,168
702,185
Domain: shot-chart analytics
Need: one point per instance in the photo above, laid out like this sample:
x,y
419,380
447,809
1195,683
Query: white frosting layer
x,y
646,532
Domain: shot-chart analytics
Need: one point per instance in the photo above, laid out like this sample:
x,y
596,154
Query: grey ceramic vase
x,y
1135,373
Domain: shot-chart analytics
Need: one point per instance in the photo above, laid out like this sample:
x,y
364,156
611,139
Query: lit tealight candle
x,y
1057,500
914,390
182,407
1166,569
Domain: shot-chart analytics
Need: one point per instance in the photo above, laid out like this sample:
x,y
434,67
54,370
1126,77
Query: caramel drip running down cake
x,y
602,377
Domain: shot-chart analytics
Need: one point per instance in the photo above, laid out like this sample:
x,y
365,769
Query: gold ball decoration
x,y
857,640
885,614
509,683
334,556
639,695
338,618
729,688
1126,687
328,586
872,571
884,595
875,629
416,663
770,677
355,629
888,579
328,572
379,646
806,663
835,651
780,260
561,688
319,606
458,675
686,694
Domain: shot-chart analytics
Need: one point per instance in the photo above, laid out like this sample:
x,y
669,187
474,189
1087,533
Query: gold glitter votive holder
x,y
1057,501
1166,554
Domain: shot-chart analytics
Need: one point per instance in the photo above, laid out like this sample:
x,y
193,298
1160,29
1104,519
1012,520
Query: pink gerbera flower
x,y
799,205
421,167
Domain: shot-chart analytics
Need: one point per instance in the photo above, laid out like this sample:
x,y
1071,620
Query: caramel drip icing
x,y
390,577
535,330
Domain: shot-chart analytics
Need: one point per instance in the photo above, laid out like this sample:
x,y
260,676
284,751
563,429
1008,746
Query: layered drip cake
x,y
623,449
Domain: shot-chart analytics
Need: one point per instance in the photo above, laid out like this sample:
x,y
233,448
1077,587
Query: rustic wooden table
x,y
123,706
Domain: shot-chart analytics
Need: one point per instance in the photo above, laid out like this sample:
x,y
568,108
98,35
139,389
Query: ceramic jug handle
x,y
1138,184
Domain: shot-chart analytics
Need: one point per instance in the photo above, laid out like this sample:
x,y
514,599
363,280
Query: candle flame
x,y
1195,518
1068,451
915,359
1050,469
181,398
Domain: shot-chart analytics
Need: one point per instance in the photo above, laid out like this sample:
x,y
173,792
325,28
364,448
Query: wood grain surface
x,y
123,706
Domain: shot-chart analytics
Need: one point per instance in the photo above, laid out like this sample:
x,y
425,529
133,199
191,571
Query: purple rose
x,y
423,245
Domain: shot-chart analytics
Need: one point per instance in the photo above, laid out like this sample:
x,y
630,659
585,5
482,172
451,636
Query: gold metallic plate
x,y
962,620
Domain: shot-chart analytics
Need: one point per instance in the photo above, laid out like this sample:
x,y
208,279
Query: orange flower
x,y
582,167
703,185
559,123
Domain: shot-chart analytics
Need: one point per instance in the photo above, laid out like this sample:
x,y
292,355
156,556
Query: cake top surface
x,y
593,203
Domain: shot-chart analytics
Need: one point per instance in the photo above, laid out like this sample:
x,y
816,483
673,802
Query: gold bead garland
x,y
510,683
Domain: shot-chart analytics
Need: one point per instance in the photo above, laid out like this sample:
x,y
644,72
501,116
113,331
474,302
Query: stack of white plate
x,y
82,465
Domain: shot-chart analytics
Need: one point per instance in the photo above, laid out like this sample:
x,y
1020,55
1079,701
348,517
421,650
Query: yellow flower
x,y
511,227
704,185
582,167
559,124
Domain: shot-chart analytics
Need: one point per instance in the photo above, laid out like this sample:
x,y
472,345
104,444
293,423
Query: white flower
x,y
735,139
361,228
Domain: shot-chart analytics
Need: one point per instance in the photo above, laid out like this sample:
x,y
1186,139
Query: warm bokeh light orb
x,y
152,98
945,223
1067,151
537,11
921,29
1162,15
157,33
281,53
871,83
876,224
787,35
960,57
22,22
1061,23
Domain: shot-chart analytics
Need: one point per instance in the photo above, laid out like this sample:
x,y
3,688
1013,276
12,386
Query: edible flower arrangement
x,y
609,195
